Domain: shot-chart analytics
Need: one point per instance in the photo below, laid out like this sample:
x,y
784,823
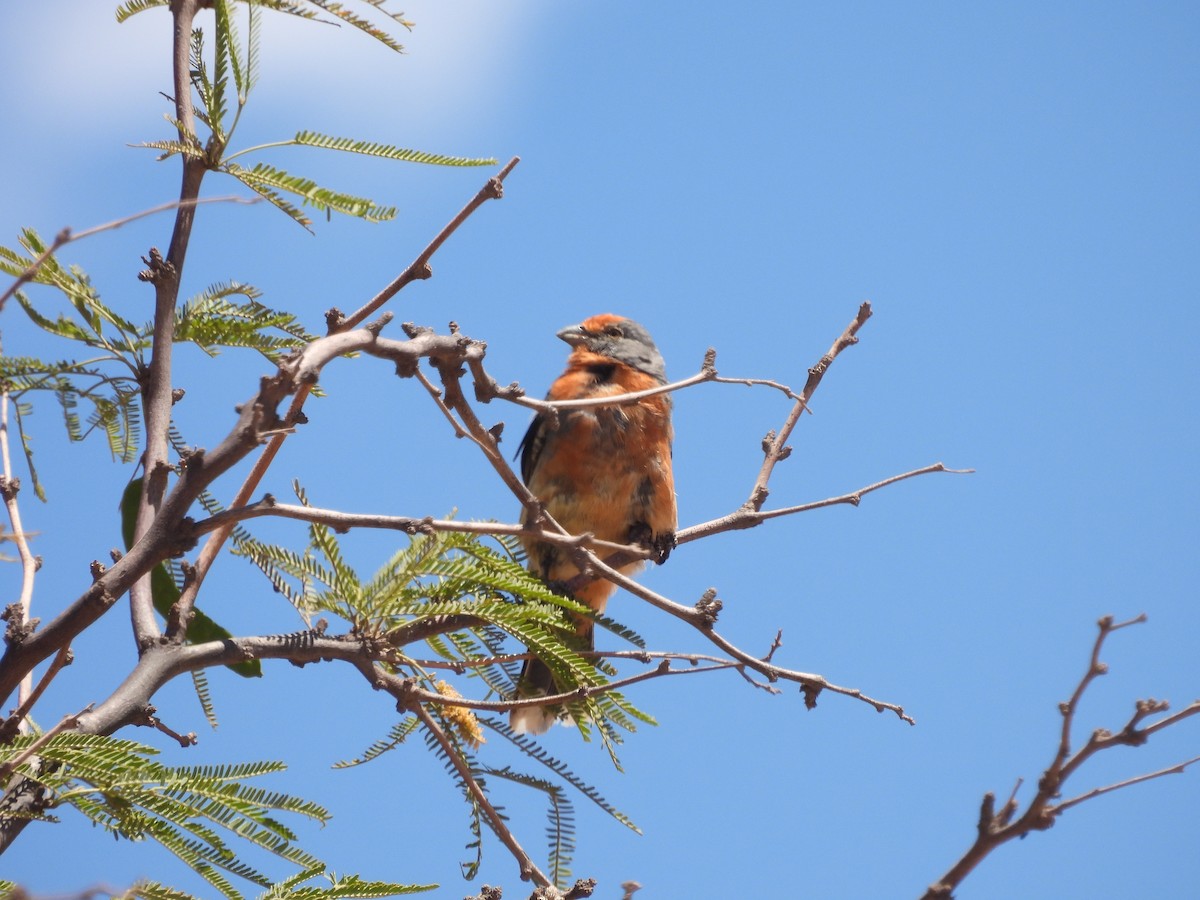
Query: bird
x,y
604,470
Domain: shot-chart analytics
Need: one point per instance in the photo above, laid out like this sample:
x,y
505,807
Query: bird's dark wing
x,y
531,446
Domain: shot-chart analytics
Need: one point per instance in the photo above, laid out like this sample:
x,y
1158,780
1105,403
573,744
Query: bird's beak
x,y
573,335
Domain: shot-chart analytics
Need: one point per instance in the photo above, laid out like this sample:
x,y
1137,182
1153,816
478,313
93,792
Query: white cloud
x,y
75,67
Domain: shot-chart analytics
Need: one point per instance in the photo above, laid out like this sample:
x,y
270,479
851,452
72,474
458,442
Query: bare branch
x,y
748,517
997,828
775,446
341,522
419,268
1176,769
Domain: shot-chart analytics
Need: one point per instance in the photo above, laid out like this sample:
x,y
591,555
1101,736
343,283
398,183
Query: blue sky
x,y
1014,188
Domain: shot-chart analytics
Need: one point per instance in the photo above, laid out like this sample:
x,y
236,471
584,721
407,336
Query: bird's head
x,y
617,338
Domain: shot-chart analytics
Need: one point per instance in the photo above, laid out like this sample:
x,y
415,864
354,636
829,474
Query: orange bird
x,y
603,469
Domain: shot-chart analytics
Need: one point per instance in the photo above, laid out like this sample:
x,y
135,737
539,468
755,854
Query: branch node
x,y
18,629
334,318
378,325
811,692
709,606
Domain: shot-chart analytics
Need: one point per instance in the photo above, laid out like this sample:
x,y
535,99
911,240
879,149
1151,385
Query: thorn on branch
x,y
496,430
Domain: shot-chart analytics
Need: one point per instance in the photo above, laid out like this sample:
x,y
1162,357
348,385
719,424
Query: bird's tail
x,y
538,681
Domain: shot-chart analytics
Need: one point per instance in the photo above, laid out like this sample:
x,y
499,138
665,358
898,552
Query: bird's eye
x,y
614,331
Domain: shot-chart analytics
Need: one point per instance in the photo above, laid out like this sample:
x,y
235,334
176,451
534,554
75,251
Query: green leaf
x,y
212,321
288,7
201,629
396,736
133,7
267,180
385,151
22,410
192,811
170,148
363,25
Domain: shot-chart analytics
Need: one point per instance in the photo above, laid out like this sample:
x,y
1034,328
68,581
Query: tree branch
x,y
165,275
339,326
775,445
995,828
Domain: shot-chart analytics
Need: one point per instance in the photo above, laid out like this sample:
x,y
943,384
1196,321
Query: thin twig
x,y
9,487
64,724
747,517
17,722
66,236
419,268
775,445
341,521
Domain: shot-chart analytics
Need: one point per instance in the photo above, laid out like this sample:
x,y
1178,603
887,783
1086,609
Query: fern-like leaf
x,y
191,811
170,148
560,822
535,751
212,321
288,7
200,685
396,736
133,7
385,151
347,887
363,25
269,181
